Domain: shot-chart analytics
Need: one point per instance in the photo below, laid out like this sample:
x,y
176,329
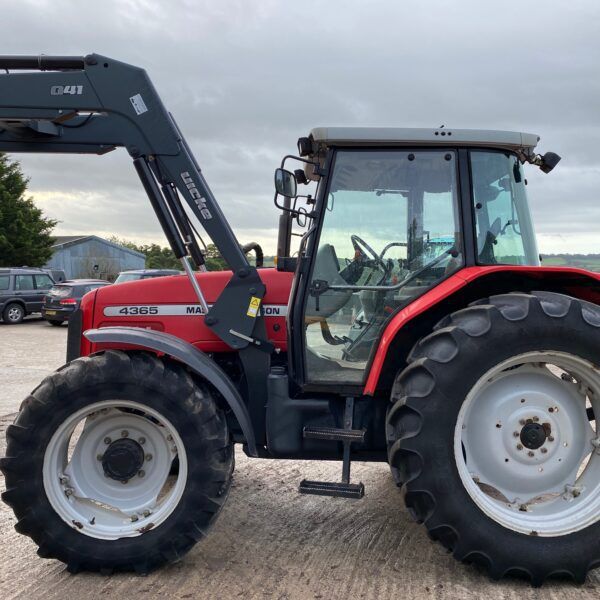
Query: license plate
x,y
50,312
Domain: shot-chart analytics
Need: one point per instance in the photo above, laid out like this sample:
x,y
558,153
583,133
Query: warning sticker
x,y
138,104
253,306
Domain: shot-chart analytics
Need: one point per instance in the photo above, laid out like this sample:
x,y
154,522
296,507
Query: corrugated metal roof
x,y
64,239
72,240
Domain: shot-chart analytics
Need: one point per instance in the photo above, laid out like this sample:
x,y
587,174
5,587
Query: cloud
x,y
246,79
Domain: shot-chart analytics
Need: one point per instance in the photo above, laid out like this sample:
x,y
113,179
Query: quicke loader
x,y
413,325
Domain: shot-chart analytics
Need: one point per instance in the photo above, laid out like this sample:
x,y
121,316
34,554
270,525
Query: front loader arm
x,y
94,104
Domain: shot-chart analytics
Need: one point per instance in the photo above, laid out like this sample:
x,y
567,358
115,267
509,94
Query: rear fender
x,y
184,352
418,318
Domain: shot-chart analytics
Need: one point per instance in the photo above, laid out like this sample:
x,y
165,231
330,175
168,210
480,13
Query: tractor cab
x,y
397,211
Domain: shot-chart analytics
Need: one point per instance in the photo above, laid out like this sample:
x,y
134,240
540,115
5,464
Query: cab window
x,y
504,228
389,233
4,282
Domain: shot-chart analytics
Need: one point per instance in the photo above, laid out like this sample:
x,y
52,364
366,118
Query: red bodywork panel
x,y
174,293
451,286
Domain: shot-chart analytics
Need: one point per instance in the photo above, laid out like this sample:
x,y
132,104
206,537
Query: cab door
x,y
389,231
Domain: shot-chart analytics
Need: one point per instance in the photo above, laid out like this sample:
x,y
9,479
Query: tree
x,y
214,260
25,234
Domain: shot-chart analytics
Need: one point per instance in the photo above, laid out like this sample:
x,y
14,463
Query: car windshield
x,y
123,277
61,291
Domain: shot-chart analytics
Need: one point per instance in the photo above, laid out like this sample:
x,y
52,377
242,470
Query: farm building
x,y
89,256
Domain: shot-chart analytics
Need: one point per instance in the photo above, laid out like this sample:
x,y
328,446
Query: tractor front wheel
x,y
493,433
88,463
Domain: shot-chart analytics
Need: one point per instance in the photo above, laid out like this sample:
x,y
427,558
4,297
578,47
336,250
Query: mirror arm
x,y
292,211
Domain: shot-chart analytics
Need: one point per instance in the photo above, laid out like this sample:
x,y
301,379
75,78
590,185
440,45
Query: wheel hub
x,y
123,459
533,436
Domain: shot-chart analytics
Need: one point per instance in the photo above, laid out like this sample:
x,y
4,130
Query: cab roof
x,y
515,141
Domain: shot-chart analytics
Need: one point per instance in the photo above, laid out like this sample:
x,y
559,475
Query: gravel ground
x,y
269,541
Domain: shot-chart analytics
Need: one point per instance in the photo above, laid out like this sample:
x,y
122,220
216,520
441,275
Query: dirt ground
x,y
269,542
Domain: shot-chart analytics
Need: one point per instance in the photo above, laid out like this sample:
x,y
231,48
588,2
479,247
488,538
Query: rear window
x,y
84,289
128,277
4,282
61,291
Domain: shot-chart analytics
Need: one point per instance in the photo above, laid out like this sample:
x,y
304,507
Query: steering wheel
x,y
357,242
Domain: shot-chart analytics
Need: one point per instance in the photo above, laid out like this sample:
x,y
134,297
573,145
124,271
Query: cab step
x,y
347,435
335,434
332,488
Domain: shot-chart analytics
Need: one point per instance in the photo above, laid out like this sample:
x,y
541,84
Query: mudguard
x,y
183,351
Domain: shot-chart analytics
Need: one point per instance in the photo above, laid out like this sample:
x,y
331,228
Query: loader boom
x,y
92,105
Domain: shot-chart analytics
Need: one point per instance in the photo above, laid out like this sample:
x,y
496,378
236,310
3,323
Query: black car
x,y
64,298
22,292
145,274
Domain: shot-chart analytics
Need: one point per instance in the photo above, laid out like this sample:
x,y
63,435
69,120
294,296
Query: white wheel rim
x,y
97,505
550,490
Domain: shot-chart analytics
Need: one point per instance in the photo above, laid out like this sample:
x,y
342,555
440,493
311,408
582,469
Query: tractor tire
x,y
103,512
13,314
491,444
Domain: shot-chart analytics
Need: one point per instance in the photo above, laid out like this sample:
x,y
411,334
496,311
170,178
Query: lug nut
x,y
99,456
544,450
124,481
515,433
536,419
142,440
148,457
531,454
64,480
134,518
522,422
550,438
124,433
141,473
107,440
519,446
169,438
146,513
68,492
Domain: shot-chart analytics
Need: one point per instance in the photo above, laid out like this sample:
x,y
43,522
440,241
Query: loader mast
x,y
92,105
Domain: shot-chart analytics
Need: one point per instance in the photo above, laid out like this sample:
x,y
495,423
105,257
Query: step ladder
x,y
347,435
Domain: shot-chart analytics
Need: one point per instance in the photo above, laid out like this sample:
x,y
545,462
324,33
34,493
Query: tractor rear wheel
x,y
492,432
89,456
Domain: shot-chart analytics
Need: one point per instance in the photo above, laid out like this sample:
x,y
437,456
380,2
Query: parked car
x,y
145,274
22,292
64,298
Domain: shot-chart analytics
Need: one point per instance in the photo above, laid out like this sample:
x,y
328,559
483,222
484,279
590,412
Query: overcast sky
x,y
245,79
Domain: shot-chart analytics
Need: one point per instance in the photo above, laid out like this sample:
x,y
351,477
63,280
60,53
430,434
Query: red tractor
x,y
414,325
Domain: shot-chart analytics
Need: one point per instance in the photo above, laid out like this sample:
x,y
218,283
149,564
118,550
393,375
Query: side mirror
x,y
285,183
